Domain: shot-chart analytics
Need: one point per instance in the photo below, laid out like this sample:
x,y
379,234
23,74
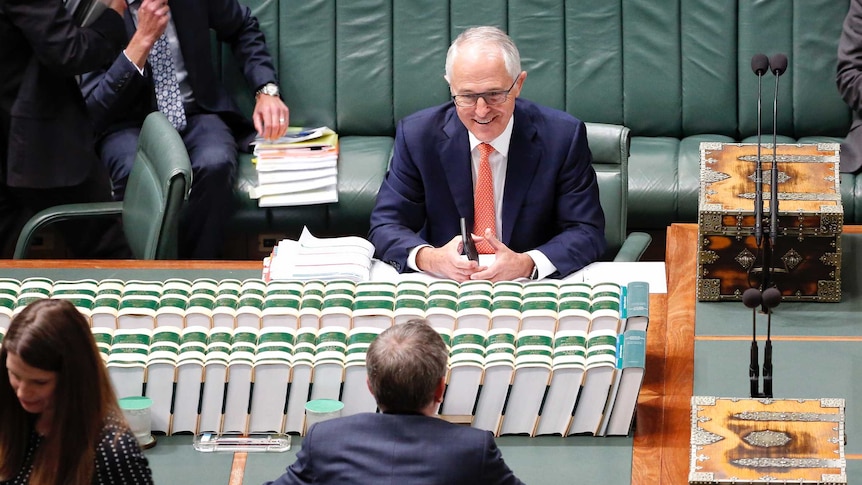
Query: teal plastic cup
x,y
318,410
136,410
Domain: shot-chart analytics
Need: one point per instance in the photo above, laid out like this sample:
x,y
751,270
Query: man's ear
x,y
438,392
520,83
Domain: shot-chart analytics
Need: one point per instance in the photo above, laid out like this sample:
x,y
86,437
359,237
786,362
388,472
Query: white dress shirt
x,y
499,162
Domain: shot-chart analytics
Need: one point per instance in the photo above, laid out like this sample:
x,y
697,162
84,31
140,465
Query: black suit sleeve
x,y
849,77
301,472
849,81
495,470
58,43
235,25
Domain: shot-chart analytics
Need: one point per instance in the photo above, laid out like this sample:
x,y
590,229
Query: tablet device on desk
x,y
468,246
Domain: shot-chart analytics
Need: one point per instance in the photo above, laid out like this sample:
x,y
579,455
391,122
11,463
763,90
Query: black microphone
x,y
760,65
778,64
771,299
751,298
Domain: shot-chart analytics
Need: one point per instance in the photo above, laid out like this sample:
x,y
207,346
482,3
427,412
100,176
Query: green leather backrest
x,y
156,190
808,32
661,67
610,145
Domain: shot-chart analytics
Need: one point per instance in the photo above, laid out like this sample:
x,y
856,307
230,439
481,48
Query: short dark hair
x,y
405,364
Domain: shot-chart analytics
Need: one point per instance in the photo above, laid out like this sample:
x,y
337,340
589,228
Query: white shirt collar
x,y
501,143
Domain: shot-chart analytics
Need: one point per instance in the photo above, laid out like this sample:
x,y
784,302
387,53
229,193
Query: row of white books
x,y
252,302
242,380
581,377
299,168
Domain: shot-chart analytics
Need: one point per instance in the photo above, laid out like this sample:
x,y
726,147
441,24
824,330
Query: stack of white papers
x,y
321,259
299,168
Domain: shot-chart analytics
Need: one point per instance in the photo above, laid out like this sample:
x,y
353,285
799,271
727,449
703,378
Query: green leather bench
x,y
675,72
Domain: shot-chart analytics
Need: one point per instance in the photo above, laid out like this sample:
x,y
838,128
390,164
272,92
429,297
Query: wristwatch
x,y
535,274
269,89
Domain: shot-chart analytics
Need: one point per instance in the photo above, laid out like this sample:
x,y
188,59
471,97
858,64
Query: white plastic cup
x,y
318,410
136,410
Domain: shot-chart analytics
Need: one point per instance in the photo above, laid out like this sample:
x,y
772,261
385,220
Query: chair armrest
x,y
62,213
633,247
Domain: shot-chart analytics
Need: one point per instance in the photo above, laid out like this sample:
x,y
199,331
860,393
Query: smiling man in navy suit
x,y
543,217
405,443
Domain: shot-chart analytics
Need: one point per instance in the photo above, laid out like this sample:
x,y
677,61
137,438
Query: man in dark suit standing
x,y
405,443
520,175
47,152
167,66
849,81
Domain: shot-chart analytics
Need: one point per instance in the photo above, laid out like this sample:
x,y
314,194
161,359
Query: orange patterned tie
x,y
484,211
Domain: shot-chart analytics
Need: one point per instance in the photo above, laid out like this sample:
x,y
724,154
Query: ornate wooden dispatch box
x,y
776,441
806,257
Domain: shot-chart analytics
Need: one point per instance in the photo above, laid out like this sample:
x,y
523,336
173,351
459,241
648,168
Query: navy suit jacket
x,y
550,199
118,96
397,449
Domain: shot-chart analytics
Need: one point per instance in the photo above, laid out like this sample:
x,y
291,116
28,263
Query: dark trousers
x,y
213,155
94,239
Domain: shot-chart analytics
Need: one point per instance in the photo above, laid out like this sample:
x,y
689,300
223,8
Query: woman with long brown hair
x,y
59,415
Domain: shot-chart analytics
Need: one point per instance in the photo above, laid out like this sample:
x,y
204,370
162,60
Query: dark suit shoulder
x,y
373,422
540,114
433,116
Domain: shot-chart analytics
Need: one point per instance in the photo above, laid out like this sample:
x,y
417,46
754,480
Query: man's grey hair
x,y
489,37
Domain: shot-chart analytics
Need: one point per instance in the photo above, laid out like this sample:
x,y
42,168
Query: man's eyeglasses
x,y
491,98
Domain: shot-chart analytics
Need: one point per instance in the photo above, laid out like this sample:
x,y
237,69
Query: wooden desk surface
x,y
661,442
673,427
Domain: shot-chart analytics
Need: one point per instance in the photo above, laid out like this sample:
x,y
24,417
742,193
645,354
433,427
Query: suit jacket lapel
x,y
188,37
521,166
455,156
130,23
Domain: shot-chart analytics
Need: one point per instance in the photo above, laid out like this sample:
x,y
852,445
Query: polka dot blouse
x,y
119,459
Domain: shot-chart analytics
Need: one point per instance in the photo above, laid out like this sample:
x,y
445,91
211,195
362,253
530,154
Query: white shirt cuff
x,y
140,69
544,265
411,258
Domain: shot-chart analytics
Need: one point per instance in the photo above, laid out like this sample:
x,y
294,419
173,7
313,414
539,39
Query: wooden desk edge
x,y
128,264
672,447
650,441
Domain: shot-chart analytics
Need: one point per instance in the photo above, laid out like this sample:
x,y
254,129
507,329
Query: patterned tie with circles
x,y
484,210
168,97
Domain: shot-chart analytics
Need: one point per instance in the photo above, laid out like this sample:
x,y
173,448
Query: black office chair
x,y
156,190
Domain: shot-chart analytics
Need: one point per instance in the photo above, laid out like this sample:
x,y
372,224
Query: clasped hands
x,y
447,262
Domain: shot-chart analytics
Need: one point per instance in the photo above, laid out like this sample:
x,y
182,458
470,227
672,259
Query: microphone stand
x,y
779,65
767,296
751,298
771,296
758,172
760,65
767,357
